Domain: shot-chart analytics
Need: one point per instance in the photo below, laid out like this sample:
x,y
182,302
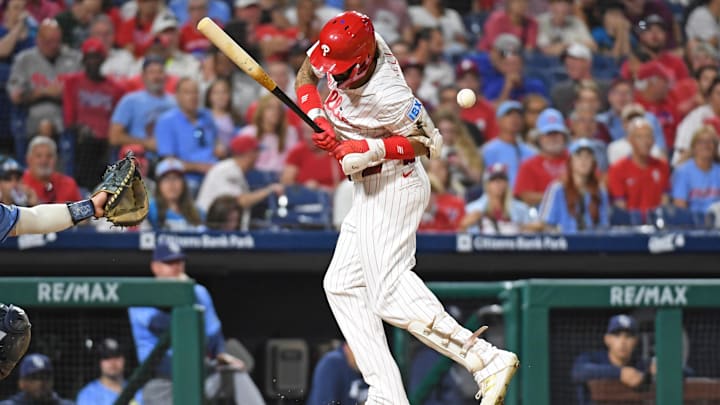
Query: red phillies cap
x,y
93,45
244,143
652,69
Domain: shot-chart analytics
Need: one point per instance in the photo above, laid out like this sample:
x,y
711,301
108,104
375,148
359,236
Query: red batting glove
x,y
350,146
325,140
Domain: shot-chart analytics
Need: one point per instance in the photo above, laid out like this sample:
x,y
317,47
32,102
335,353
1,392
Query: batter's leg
x,y
344,286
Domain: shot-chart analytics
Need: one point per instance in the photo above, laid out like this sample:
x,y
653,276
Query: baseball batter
x,y
376,127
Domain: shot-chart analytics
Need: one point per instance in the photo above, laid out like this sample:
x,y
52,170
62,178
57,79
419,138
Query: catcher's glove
x,y
127,202
14,337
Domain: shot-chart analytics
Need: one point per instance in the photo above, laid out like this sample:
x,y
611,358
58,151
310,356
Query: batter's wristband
x,y
309,98
398,148
81,210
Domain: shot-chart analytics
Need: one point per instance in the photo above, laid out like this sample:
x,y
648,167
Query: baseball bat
x,y
247,64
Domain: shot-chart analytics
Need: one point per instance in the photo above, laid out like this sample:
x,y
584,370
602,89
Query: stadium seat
x,y
258,179
622,217
671,217
301,208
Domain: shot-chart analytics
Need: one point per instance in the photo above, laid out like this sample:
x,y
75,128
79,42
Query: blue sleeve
x,y
159,322
123,113
86,397
165,136
8,218
657,131
604,220
153,215
219,10
585,369
551,205
602,38
213,327
681,184
324,388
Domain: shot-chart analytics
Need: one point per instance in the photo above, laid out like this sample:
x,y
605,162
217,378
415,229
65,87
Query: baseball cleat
x,y
493,386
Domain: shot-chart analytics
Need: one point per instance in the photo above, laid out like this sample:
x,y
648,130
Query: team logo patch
x,y
325,49
415,109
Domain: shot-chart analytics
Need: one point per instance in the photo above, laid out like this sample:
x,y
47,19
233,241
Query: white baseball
x,y
466,98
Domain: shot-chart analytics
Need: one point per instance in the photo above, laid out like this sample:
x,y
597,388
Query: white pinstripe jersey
x,y
382,107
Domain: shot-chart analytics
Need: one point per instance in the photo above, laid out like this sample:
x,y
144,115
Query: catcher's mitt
x,y
127,203
14,337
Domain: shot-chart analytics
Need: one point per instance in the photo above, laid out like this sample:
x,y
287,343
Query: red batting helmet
x,y
346,48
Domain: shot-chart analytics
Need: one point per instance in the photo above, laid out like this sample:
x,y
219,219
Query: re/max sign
x,y
78,292
648,295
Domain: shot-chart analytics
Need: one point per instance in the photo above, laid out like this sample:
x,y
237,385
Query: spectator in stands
x,y
533,104
173,208
36,383
638,11
12,190
106,389
119,61
228,177
507,148
165,42
583,125
225,214
688,93
579,202
135,34
614,363
35,81
459,149
191,40
89,99
245,90
310,166
445,209
613,36
558,28
42,10
428,50
75,22
496,212
700,54
433,13
414,71
696,183
337,380
150,324
187,133
513,19
448,102
310,16
133,120
270,127
577,60
17,31
640,181
701,24
393,29
652,86
482,113
218,100
40,175
652,45
505,80
693,121
620,95
276,36
621,148
250,14
188,10
539,171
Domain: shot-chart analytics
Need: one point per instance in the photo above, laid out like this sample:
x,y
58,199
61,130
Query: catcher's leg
x,y
344,286
401,298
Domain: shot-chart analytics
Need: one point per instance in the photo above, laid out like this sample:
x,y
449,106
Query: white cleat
x,y
493,386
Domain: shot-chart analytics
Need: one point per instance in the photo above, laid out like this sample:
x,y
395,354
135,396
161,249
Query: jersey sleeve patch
x,y
414,110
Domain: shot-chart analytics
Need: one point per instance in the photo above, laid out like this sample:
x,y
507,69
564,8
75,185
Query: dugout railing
x,y
75,294
548,322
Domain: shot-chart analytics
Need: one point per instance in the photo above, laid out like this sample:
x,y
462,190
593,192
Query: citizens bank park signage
x,y
198,241
470,243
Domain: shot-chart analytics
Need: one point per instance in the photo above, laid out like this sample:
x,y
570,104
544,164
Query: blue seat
x,y
671,217
301,208
258,179
623,217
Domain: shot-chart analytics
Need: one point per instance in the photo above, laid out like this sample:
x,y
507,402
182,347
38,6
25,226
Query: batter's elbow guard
x,y
14,337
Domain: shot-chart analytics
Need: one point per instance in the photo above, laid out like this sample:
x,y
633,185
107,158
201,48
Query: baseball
x,y
466,98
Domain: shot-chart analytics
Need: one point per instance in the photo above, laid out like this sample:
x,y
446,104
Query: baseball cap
x,y
649,21
9,165
507,43
168,252
246,3
467,66
579,51
580,144
164,21
109,348
496,171
168,165
622,322
35,363
93,45
632,110
551,120
244,143
652,69
508,106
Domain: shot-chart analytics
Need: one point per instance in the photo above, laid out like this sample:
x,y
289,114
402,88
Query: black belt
x,y
377,169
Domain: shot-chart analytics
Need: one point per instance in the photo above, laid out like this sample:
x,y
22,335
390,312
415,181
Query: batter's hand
x,y
325,140
350,146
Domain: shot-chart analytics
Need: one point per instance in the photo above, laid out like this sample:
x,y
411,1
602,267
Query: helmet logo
x,y
325,49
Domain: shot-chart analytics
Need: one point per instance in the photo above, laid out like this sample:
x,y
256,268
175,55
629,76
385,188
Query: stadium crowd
x,y
590,114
